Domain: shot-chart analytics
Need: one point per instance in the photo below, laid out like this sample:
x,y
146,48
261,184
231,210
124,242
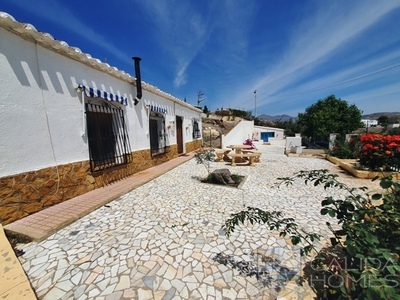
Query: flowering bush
x,y
249,142
347,150
380,152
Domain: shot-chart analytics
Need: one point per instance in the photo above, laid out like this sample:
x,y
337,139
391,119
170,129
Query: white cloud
x,y
181,77
184,30
352,76
181,31
318,37
379,99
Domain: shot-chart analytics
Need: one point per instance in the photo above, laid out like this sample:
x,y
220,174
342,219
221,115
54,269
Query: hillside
x,y
214,126
276,118
375,116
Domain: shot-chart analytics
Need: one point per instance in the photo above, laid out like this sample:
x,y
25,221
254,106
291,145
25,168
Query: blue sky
x,y
293,53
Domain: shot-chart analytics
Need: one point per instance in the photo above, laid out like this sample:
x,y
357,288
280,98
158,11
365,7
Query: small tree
x,y
206,111
205,157
394,131
383,121
291,127
329,115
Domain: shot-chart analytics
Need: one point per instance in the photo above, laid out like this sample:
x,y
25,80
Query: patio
x,y
163,239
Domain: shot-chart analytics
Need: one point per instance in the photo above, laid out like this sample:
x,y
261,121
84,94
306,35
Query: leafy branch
x,y
369,236
205,157
365,258
275,221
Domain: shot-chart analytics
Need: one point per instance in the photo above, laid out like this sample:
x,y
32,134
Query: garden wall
x,y
30,192
350,166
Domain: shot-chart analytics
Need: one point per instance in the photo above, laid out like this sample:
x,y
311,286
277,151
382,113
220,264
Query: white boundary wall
x,y
241,132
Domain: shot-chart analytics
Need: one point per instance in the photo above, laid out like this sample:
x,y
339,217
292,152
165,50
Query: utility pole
x,y
200,98
255,104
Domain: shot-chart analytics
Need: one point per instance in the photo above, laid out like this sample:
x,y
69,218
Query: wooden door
x,y
179,136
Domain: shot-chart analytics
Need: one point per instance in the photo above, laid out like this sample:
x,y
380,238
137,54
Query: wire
x,y
347,81
47,122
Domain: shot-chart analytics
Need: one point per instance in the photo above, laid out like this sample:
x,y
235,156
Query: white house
x,y
368,122
391,126
71,123
264,133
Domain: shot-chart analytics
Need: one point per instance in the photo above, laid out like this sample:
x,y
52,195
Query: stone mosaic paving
x,y
163,239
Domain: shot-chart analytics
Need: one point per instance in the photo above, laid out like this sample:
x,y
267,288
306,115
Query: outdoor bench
x,y
258,153
242,157
222,154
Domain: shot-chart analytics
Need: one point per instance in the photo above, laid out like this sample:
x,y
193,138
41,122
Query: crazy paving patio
x,y
162,238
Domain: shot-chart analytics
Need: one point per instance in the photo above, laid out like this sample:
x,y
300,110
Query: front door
x,y
179,136
266,135
154,136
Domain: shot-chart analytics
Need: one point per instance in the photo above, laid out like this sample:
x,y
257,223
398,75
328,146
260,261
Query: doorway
x,y
179,135
266,135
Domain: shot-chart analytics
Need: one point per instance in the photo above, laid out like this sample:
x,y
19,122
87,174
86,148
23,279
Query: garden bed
x,y
350,166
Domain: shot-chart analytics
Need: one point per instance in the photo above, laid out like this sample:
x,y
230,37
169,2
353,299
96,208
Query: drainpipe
x,y
138,79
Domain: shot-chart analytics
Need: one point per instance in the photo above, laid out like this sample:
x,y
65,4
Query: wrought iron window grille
x,y
157,129
107,136
196,130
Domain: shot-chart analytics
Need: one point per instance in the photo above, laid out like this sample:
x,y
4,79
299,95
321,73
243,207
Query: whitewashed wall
x,y
241,132
279,132
293,143
41,113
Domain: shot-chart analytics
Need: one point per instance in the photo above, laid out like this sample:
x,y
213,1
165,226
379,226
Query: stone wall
x,y
194,145
350,166
30,192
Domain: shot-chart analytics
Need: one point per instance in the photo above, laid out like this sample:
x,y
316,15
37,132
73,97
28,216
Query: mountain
x,y
277,118
375,116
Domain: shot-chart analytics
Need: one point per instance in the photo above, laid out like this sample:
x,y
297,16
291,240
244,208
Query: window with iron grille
x,y
157,133
107,136
196,130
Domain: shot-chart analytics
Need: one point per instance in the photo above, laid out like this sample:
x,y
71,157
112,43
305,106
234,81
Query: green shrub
x,y
394,131
363,260
347,150
204,157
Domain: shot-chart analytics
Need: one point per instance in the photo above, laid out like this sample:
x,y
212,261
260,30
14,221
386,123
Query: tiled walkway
x,y
163,240
42,224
